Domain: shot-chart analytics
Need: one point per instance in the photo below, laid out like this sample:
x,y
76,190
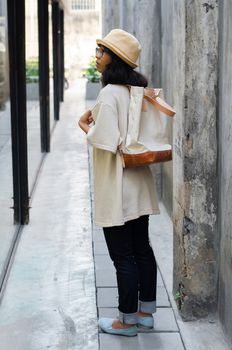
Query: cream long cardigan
x,y
120,194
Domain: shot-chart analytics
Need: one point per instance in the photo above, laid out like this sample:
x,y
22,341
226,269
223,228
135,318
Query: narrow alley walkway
x,y
60,281
49,301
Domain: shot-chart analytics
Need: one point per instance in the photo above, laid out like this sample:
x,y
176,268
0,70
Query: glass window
x,y
83,5
51,95
32,85
7,227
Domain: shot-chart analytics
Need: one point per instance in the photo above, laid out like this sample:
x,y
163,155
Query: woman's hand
x,y
85,120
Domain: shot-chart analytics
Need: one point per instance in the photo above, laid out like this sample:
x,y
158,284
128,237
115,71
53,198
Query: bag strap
x,y
152,95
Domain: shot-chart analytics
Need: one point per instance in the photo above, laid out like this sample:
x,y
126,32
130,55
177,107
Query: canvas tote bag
x,y
147,137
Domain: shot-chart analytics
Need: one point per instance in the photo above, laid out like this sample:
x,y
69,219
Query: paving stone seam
x,y
148,331
171,301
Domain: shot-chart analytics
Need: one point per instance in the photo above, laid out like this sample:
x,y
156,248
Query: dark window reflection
x,y
7,227
32,77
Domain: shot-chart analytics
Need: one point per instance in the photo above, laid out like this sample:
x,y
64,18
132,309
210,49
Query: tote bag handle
x,y
152,95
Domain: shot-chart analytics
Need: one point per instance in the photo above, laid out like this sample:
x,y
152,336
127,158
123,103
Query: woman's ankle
x,y
128,319
117,324
144,314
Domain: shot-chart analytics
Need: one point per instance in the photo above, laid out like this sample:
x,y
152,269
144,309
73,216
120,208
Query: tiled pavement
x,y
165,335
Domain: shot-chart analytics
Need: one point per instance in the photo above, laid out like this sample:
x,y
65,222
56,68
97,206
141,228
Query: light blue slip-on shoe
x,y
145,322
106,326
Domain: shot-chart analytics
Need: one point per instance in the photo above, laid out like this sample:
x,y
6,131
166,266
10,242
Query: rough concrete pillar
x,y
147,29
110,15
195,160
170,51
141,18
128,11
225,165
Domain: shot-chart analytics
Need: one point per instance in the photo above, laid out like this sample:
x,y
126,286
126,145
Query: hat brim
x,y
117,52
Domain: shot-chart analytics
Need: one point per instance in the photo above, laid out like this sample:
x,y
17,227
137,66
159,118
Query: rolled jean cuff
x,y
128,318
147,306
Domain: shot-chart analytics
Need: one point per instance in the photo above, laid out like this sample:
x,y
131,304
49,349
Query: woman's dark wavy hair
x,y
119,72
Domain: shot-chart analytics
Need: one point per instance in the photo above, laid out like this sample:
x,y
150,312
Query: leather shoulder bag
x,y
147,131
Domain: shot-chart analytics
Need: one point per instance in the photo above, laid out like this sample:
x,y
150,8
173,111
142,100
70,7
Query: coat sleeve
x,y
104,134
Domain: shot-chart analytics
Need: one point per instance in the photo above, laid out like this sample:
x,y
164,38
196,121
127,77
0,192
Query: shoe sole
x,y
144,329
124,335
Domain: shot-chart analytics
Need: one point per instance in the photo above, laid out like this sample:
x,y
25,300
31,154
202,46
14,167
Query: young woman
x,y
123,198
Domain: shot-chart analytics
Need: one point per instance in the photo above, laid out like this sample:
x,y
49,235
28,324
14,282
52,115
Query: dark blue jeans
x,y
135,264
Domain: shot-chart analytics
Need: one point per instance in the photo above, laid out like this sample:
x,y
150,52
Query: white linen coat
x,y
120,194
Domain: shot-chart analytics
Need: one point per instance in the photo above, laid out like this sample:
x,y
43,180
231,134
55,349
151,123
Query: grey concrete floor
x,y
49,301
62,279
7,227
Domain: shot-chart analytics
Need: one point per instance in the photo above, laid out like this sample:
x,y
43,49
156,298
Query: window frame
x,y
82,8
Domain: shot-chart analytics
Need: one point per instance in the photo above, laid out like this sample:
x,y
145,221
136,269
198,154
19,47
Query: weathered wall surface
x,y
145,24
110,15
195,193
142,19
172,75
147,30
225,165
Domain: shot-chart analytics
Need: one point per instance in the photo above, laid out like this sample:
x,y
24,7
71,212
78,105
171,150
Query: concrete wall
x,y
110,15
148,32
143,19
172,65
129,15
225,165
189,79
195,190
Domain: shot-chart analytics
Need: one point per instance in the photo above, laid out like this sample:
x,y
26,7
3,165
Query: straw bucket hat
x,y
123,44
